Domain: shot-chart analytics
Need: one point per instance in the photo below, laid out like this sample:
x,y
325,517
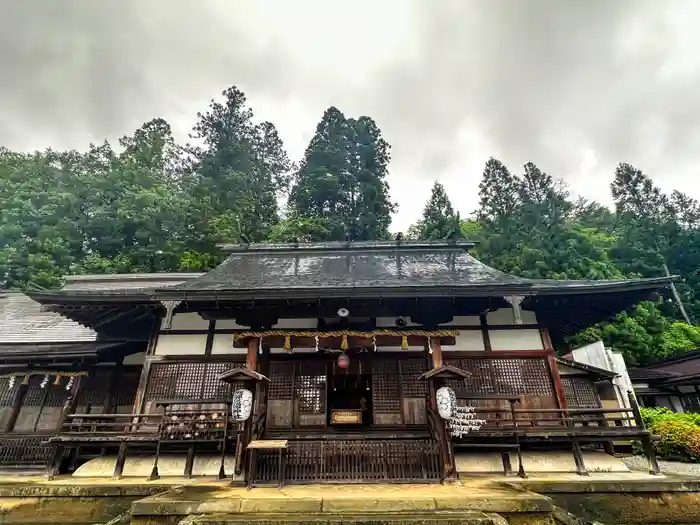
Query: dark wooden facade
x,y
239,312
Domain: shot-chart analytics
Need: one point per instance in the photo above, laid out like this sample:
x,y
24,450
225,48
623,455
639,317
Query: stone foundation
x,y
537,462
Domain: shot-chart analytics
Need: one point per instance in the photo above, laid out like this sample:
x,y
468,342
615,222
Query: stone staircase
x,y
467,517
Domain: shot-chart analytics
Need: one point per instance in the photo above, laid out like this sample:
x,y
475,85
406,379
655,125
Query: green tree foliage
x,y
151,204
235,174
439,218
340,189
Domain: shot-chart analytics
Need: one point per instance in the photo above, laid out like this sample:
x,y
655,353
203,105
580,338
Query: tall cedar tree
x,y
238,173
439,218
340,190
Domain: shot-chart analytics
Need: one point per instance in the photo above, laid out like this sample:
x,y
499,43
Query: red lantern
x,y
343,361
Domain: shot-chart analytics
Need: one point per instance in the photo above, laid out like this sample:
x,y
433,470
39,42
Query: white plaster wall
x,y
187,321
468,341
686,389
516,339
504,316
223,344
464,320
181,344
135,359
296,324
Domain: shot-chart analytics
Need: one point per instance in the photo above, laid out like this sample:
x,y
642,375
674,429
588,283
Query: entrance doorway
x,y
350,400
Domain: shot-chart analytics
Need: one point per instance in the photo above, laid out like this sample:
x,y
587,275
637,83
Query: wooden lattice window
x,y
126,393
281,380
7,394
580,392
411,384
93,389
41,408
503,377
310,386
386,386
188,381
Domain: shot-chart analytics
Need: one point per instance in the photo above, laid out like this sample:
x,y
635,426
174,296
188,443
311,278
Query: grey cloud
x,y
539,79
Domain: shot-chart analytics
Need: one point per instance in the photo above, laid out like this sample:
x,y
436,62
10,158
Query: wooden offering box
x,y
346,417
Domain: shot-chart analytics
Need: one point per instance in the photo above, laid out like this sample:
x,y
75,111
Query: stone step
x,y
399,518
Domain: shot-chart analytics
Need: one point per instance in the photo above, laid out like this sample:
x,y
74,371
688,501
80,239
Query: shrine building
x,y
321,362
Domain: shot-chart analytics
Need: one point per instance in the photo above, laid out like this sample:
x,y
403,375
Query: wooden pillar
x,y
114,383
554,370
445,443
252,357
242,452
16,404
436,352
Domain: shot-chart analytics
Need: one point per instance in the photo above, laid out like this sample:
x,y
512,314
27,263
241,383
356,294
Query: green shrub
x,y
655,416
679,433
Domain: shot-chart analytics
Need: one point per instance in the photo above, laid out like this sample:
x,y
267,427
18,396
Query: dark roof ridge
x,y
345,246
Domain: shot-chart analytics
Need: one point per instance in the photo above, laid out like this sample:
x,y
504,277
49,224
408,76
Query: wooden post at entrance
x,y
446,451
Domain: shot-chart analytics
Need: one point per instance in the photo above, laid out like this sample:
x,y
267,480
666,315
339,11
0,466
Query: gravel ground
x,y
667,467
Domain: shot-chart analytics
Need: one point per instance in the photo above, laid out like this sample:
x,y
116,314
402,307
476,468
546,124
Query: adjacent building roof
x,y
23,320
684,368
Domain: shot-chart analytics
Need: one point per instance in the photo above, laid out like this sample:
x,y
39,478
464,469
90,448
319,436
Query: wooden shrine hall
x,y
352,362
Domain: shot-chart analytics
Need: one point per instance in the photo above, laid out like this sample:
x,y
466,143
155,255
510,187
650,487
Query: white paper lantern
x,y
242,405
446,402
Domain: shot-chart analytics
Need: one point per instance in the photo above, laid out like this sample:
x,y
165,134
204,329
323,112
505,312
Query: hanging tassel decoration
x,y
404,342
260,346
57,381
430,345
374,344
25,381
288,343
11,383
344,343
316,340
70,383
45,381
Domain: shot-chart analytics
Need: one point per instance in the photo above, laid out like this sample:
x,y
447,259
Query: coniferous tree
x,y
439,219
340,187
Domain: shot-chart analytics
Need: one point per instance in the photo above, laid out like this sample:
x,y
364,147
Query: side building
x,y
347,349
51,365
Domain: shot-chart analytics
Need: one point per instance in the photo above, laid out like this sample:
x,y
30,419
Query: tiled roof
x,y
23,320
372,266
355,265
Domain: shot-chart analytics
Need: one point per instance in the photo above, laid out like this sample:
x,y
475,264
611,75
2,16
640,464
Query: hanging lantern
x,y
446,402
242,405
343,360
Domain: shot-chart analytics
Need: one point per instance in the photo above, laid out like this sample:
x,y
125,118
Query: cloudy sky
x,y
574,86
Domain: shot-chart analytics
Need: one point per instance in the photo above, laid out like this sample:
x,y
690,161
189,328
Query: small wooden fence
x,y
353,461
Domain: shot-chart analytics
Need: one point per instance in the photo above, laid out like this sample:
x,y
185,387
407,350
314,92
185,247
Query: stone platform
x,y
478,502
611,498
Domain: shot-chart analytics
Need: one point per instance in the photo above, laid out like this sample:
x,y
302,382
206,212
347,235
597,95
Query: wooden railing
x,y
208,423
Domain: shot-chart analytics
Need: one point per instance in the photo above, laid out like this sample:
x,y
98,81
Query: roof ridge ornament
x,y
169,312
515,301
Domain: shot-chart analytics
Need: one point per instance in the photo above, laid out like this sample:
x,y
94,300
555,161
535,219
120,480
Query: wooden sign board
x,y
346,417
268,443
